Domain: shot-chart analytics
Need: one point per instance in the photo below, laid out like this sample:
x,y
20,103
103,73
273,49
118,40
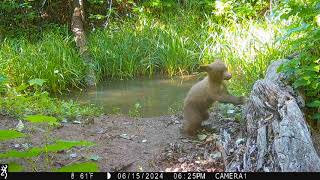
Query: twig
x,y
108,16
224,155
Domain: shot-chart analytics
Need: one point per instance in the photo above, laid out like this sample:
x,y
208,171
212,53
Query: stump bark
x,y
277,136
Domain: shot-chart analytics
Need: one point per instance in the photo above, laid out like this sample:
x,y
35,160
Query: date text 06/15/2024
x,y
178,175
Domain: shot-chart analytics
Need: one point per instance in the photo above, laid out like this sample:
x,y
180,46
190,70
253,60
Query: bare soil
x,y
131,144
123,144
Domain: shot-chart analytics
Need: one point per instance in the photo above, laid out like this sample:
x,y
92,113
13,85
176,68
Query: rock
x,y
73,155
182,159
216,155
185,140
20,126
16,146
76,122
100,131
94,157
125,136
26,145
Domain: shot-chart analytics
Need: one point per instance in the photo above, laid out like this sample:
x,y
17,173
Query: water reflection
x,y
156,96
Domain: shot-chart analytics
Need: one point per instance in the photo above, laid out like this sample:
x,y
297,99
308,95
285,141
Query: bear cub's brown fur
x,y
204,93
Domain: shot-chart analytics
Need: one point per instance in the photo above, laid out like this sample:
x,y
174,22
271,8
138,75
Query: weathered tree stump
x,y
277,137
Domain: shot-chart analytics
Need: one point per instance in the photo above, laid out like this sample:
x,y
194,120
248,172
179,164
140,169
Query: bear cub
x,y
204,93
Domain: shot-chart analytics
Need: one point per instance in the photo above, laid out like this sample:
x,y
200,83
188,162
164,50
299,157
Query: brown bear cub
x,y
204,93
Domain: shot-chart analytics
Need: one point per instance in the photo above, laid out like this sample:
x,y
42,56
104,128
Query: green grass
x,y
52,145
248,49
29,99
178,45
52,58
170,44
18,105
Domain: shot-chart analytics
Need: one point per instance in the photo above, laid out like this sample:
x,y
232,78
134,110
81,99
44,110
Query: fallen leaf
x,y
125,136
94,157
202,137
20,126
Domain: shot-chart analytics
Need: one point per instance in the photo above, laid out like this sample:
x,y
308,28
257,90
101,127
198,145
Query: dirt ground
x,y
129,144
132,144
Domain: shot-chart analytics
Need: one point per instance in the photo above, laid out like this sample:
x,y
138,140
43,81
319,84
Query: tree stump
x,y
277,137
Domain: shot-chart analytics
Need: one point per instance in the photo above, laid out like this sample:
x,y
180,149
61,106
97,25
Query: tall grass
x,y
178,45
170,44
52,58
139,48
247,47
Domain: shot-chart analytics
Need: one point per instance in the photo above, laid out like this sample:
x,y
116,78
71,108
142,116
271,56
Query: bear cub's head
x,y
217,71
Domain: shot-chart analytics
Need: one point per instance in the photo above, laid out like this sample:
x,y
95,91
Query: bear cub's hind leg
x,y
192,122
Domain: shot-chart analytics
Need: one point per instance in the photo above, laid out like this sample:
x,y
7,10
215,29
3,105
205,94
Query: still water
x,y
150,97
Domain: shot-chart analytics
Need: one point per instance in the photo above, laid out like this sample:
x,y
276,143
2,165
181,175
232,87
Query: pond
x,y
142,97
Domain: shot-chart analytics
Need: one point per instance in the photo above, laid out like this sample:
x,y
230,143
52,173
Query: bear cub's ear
x,y
204,68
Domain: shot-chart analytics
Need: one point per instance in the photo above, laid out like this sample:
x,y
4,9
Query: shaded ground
x,y
128,144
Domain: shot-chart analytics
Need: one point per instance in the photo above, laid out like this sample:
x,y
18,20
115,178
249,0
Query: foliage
x,y
178,45
28,99
145,38
22,17
233,10
57,146
3,81
116,111
304,70
52,59
148,38
16,13
14,167
10,134
175,108
135,111
40,118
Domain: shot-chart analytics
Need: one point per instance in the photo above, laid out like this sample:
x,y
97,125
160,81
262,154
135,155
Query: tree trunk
x,y
277,137
77,27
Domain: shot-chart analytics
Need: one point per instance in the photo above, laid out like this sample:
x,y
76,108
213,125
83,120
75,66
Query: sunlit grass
x,y
176,47
170,45
248,48
52,58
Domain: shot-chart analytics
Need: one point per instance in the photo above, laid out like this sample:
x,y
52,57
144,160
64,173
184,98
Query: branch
x,y
105,24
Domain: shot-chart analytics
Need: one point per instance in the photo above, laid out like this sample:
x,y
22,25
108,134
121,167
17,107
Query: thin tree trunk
x,y
77,27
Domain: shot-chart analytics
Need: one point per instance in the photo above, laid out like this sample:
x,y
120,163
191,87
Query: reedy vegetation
x,y
163,38
173,44
157,37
